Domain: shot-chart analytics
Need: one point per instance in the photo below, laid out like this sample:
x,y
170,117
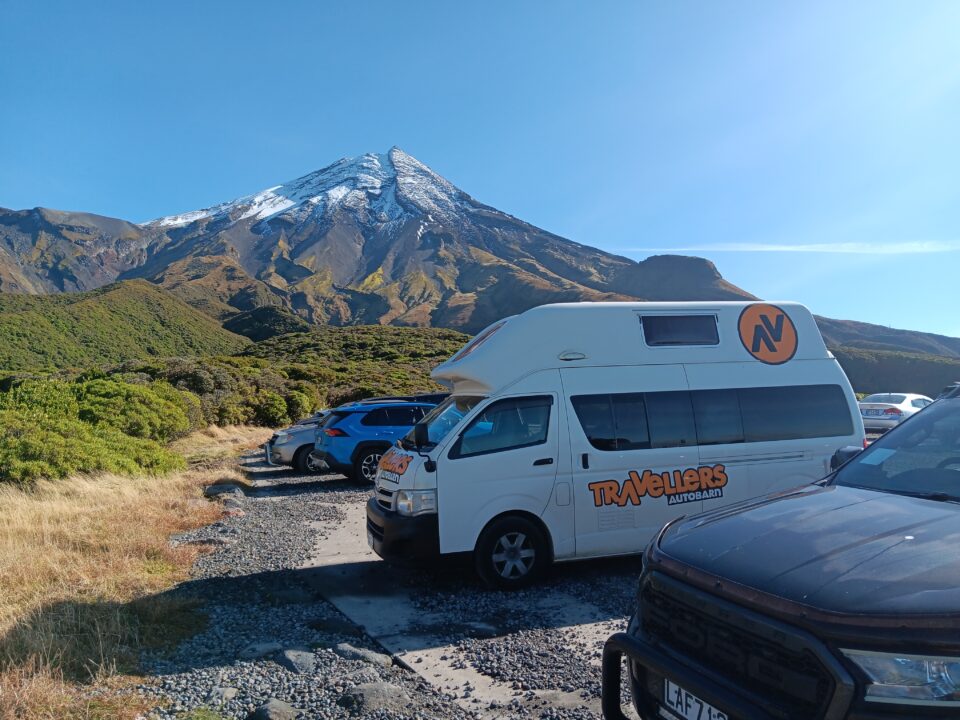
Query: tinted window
x,y
404,416
661,330
333,418
717,414
631,421
671,420
595,413
919,403
506,425
376,418
785,413
613,422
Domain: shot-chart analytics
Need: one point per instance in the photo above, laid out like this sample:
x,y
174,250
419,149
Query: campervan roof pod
x,y
611,334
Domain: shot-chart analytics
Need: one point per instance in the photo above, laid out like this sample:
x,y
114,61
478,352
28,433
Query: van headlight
x,y
416,502
909,679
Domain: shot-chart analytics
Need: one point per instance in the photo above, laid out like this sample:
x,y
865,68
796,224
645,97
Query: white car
x,y
883,411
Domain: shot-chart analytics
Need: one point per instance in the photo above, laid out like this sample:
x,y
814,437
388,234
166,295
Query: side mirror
x,y
844,455
421,438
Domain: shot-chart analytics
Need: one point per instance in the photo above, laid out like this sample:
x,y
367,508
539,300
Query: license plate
x,y
370,538
872,412
687,705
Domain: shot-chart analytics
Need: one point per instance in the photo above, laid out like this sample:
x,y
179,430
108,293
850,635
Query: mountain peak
x,y
372,181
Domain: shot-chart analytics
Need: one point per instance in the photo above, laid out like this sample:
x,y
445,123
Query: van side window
x,y
671,420
793,413
637,421
666,330
718,417
613,422
506,425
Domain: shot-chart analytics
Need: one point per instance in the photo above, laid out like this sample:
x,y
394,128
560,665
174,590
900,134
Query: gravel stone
x,y
349,652
274,709
224,489
298,661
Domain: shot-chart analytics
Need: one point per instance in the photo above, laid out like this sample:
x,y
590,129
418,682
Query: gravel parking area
x,y
303,622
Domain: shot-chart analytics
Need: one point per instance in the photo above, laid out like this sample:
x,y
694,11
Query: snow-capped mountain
x,y
379,238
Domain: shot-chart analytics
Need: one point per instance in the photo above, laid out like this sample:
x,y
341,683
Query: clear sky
x,y
810,149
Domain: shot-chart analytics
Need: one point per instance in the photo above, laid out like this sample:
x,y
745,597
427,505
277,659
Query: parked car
x,y
836,600
948,390
355,436
883,411
292,446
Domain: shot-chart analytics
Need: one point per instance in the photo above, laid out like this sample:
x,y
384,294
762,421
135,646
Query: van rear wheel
x,y
512,552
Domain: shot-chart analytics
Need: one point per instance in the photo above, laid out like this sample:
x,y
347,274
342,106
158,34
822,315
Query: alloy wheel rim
x,y
369,466
513,555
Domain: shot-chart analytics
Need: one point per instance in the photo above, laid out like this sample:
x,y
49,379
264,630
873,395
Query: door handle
x,y
585,461
543,461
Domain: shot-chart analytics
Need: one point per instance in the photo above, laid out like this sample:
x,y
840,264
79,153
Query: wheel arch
x,y
526,515
365,445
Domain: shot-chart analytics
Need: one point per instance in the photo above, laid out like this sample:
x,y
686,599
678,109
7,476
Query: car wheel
x,y
511,553
365,467
302,462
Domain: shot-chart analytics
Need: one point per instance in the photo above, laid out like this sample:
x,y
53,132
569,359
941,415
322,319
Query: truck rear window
x,y
666,330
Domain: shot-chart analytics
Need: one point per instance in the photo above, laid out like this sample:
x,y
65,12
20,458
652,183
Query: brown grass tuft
x,y
82,562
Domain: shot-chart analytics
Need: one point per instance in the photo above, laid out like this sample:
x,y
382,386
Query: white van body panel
x,y
585,349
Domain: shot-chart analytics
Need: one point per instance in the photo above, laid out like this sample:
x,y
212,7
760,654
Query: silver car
x,y
292,446
882,411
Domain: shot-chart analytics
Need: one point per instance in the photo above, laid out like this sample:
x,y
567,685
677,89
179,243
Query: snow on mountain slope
x,y
390,185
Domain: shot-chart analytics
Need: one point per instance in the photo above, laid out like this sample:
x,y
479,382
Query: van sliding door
x,y
633,449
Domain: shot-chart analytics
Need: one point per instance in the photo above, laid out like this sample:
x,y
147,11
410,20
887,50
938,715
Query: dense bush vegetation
x,y
117,418
52,428
132,319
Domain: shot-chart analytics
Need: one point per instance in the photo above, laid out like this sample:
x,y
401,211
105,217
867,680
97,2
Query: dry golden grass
x,y
81,563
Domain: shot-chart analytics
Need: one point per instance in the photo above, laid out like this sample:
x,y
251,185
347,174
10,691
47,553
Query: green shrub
x,y
47,397
34,446
271,409
140,411
299,405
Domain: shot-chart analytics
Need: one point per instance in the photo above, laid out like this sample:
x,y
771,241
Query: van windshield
x,y
919,458
443,418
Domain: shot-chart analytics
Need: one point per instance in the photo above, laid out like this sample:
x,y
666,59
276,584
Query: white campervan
x,y
577,430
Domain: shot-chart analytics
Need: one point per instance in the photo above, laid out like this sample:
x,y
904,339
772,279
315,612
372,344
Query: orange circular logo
x,y
768,333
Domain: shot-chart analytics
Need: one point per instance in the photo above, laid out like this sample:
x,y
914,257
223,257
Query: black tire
x,y
302,463
365,466
512,552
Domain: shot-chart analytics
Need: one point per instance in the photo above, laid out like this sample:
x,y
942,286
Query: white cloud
x,y
853,248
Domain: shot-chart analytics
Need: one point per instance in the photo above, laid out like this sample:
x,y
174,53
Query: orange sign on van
x,y
768,333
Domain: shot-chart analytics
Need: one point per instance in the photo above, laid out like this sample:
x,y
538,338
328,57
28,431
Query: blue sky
x,y
810,149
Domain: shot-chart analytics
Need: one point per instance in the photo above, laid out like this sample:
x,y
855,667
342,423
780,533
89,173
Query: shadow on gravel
x,y
450,604
331,484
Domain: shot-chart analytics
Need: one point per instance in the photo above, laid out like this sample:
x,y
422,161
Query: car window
x,y
404,416
921,456
885,398
377,418
506,425
670,415
718,416
792,413
613,422
920,403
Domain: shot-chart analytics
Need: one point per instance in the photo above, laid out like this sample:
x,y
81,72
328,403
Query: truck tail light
x,y
334,432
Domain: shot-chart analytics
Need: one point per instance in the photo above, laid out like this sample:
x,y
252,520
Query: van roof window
x,y
667,330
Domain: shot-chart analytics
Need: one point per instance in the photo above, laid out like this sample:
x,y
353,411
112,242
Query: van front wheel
x,y
511,553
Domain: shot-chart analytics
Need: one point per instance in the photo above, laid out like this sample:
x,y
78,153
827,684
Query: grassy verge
x,y
81,563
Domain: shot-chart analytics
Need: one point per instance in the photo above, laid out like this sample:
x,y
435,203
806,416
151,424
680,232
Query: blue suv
x,y
353,437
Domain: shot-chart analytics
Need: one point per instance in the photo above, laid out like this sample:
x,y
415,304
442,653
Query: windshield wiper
x,y
935,496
